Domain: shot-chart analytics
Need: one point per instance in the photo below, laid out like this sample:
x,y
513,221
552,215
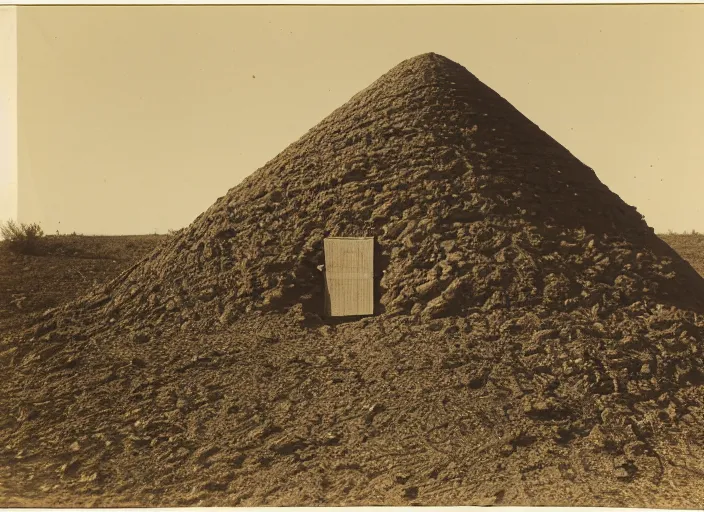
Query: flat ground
x,y
68,266
180,415
690,247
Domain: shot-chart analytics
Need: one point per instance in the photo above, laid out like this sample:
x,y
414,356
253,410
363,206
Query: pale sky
x,y
136,119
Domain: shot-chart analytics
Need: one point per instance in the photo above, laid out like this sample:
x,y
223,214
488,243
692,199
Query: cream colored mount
x,y
8,119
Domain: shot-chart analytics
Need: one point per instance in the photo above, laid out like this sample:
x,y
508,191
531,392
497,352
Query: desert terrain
x,y
72,265
535,342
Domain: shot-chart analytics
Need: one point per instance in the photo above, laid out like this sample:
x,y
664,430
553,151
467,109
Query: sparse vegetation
x,y
689,245
684,233
21,238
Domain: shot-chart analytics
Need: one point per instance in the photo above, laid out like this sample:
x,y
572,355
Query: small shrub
x,y
21,238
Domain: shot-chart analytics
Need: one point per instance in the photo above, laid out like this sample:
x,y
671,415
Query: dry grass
x,y
690,246
21,238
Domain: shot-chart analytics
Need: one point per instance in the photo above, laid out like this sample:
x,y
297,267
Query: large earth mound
x,y
533,335
474,208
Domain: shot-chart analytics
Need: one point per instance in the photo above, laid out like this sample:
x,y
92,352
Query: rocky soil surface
x,y
535,342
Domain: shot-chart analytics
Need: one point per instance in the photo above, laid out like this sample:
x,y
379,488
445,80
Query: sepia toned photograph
x,y
317,255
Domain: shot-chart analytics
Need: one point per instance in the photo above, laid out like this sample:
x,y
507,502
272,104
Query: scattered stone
x,y
141,337
410,493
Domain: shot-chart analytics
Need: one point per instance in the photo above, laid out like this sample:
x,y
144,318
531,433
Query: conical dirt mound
x,y
474,208
530,328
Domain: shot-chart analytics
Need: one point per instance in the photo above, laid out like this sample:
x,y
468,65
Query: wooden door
x,y
349,276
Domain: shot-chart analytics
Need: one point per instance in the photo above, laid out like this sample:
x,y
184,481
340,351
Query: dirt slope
x,y
536,343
